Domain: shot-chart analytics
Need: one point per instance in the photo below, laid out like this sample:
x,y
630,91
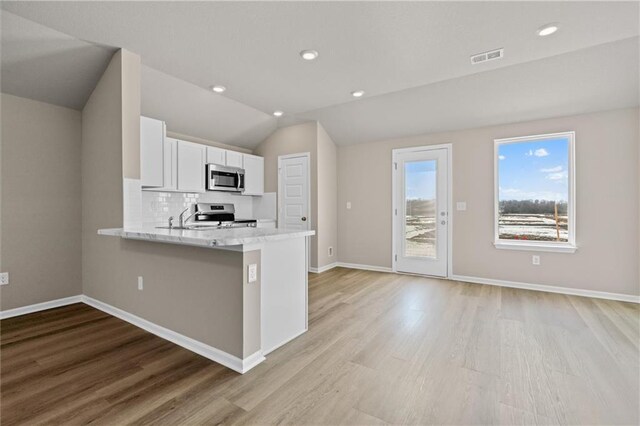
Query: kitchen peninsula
x,y
255,280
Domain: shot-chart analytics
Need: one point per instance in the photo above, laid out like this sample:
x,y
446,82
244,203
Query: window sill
x,y
502,245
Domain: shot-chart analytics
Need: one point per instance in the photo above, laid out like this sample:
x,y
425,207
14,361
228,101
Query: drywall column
x,y
251,305
192,291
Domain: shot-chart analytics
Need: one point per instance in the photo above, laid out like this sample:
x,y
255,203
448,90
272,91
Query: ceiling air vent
x,y
487,56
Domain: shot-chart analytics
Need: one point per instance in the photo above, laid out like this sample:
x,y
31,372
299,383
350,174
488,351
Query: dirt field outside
x,y
533,227
420,236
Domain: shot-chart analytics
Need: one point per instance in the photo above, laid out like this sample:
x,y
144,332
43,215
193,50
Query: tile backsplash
x,y
265,207
158,206
131,203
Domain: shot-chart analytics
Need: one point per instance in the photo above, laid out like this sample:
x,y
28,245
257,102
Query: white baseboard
x,y
9,313
549,288
284,342
514,284
323,268
221,357
364,267
251,361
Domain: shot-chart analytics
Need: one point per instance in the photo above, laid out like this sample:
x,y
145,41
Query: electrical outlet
x,y
348,205
461,206
330,250
252,273
4,278
535,260
140,283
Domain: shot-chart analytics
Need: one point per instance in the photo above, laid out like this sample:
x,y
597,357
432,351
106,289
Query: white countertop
x,y
212,238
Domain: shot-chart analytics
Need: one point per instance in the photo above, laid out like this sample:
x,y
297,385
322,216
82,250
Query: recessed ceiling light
x,y
309,55
546,30
218,89
357,93
278,113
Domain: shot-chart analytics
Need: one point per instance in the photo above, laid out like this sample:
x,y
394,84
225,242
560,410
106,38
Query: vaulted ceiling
x,y
410,58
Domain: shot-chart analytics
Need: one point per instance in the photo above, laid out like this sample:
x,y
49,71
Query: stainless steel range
x,y
211,216
221,215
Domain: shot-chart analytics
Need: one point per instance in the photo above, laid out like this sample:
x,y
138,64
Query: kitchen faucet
x,y
192,209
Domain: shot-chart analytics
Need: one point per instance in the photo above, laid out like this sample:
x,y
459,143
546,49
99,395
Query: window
x,y
535,193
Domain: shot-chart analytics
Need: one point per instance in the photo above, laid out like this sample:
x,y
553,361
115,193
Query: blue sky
x,y
534,170
420,179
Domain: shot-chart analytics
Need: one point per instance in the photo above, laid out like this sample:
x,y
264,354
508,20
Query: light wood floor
x,y
381,348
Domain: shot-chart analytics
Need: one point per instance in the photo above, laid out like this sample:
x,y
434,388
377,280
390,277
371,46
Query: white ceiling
x,y
594,79
46,65
49,66
384,48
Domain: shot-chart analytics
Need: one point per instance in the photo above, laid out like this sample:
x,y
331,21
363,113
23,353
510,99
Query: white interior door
x,y
421,203
293,192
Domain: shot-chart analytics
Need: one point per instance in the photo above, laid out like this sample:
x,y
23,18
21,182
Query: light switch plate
x,y
4,278
348,205
461,206
252,273
140,283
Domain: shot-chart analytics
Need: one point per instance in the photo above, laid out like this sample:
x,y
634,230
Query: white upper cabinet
x,y
151,152
191,166
216,156
170,164
234,159
254,174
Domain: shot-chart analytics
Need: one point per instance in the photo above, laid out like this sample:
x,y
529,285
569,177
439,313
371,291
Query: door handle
x,y
303,218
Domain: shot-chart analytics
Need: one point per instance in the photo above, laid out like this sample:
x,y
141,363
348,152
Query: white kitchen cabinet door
x,y
151,152
216,156
234,159
191,166
253,175
170,164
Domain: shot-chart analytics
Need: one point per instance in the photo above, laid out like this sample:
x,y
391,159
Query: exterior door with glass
x,y
420,211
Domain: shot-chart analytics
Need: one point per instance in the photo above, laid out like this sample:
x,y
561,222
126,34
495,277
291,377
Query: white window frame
x,y
562,247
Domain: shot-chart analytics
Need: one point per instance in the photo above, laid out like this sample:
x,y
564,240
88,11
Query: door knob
x,y
304,219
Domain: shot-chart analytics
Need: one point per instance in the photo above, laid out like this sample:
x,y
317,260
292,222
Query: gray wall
x,y
327,198
195,139
251,304
40,226
607,171
293,140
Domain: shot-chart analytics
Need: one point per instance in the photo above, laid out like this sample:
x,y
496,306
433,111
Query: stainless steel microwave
x,y
222,178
